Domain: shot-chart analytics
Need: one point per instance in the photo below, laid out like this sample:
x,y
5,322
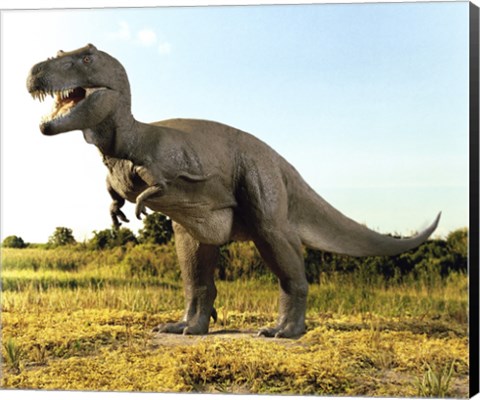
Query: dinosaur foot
x,y
181,328
170,327
283,331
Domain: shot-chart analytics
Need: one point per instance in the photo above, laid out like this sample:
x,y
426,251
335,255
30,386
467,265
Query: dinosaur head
x,y
87,85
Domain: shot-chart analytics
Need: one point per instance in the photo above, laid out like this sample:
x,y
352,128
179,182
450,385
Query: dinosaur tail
x,y
322,227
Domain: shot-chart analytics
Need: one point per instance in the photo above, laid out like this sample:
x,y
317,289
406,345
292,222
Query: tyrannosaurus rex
x,y
215,182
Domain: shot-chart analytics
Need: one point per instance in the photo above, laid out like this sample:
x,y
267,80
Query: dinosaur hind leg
x,y
197,263
265,206
281,250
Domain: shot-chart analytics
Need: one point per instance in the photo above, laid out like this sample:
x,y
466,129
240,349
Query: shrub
x,y
241,260
433,260
13,241
157,229
147,260
61,237
110,238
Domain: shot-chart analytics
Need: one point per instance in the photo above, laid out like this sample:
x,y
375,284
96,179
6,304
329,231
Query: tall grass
x,y
436,381
146,278
239,297
61,259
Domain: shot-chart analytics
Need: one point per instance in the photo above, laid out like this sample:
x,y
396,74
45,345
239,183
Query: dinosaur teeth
x,y
89,91
61,94
65,93
39,94
65,100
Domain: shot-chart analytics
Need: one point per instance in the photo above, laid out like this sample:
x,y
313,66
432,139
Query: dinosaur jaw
x,y
67,102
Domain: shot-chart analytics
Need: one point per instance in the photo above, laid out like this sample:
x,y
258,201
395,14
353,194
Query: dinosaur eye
x,y
87,59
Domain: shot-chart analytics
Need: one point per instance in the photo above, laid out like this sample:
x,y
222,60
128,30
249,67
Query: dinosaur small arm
x,y
215,182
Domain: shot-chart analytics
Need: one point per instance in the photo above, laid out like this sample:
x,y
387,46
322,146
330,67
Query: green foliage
x,y
102,239
110,238
427,265
433,260
15,242
61,237
157,229
241,260
13,355
457,256
436,381
457,242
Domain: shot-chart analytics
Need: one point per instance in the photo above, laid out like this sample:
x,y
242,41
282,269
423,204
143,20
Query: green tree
x,y
101,239
61,237
157,229
109,238
13,241
457,245
457,242
122,236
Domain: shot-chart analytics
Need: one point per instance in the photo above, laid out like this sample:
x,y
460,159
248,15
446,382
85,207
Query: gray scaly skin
x,y
215,182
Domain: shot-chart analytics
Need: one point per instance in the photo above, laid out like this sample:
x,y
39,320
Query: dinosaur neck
x,y
118,136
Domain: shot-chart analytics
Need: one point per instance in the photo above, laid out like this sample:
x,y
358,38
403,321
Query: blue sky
x,y
368,101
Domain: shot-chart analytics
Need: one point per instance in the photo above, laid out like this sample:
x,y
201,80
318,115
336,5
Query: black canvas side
x,y
474,201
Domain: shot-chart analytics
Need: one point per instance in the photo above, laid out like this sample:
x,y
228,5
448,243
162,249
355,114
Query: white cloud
x,y
123,32
164,48
146,37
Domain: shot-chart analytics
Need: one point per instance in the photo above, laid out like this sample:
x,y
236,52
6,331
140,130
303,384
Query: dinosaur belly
x,y
199,218
205,209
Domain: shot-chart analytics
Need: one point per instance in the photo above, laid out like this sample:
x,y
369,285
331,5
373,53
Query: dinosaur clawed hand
x,y
149,193
140,209
116,214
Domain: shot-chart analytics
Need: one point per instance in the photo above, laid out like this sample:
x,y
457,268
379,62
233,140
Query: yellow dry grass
x,y
95,335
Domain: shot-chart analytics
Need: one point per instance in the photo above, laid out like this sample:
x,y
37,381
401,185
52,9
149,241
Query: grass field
x,y
81,320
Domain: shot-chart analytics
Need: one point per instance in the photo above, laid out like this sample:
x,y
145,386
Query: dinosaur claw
x,y
117,215
122,216
214,315
140,210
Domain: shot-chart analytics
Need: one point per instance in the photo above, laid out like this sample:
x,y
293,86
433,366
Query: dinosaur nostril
x,y
37,68
36,78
